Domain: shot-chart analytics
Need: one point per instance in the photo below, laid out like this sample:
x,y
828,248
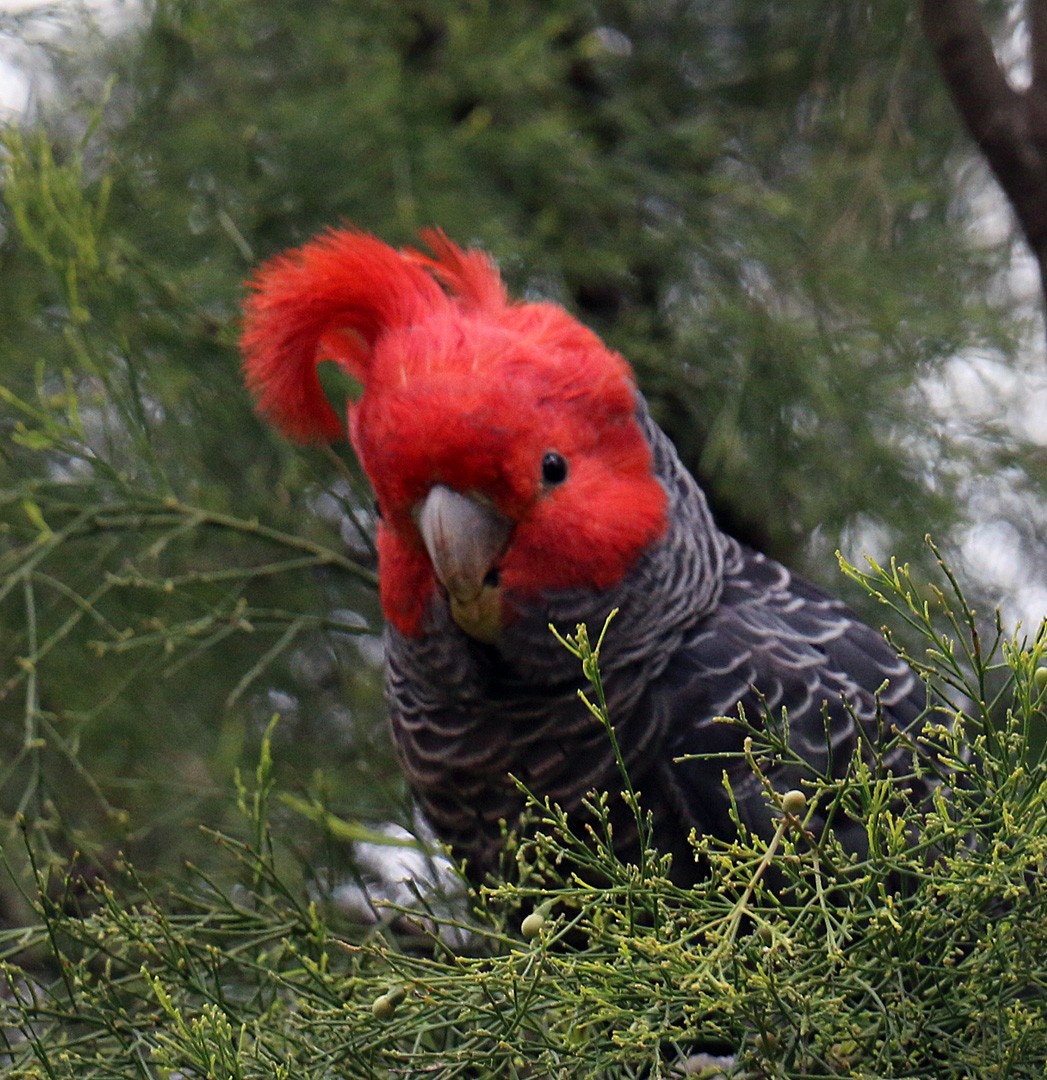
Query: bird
x,y
521,484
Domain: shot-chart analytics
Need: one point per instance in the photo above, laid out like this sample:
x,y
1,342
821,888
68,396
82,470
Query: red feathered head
x,y
466,392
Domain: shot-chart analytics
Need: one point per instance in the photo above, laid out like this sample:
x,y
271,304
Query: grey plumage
x,y
706,625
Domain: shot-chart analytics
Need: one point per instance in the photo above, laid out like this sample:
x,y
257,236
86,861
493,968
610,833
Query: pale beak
x,y
465,539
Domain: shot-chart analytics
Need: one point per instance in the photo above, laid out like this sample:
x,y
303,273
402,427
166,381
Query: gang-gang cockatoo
x,y
521,482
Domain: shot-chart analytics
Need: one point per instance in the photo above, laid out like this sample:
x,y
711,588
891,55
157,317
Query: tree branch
x,y
1038,43
1010,126
987,103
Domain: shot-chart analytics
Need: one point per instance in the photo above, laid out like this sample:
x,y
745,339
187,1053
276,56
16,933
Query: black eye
x,y
554,468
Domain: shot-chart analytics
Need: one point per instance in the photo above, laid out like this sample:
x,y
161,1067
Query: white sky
x,y
17,61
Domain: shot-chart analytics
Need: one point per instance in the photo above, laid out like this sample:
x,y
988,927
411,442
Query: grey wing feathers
x,y
774,642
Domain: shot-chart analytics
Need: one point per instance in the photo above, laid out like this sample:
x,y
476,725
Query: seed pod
x,y
767,1042
533,925
383,1007
1039,680
794,802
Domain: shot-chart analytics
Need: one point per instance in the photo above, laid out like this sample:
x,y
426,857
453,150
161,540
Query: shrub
x,y
926,958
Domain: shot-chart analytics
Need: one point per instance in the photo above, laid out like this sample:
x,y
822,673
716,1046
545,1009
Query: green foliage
x,y
753,202
163,588
926,958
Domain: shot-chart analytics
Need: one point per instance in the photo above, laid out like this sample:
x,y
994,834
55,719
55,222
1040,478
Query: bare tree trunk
x,y
1009,125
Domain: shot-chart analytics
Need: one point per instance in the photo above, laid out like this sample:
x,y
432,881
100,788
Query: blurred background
x,y
771,209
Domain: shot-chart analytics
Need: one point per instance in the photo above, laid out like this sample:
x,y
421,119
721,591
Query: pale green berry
x,y
1039,680
767,1042
383,1007
533,925
794,802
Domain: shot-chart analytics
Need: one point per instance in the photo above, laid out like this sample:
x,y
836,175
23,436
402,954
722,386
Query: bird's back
x,y
775,647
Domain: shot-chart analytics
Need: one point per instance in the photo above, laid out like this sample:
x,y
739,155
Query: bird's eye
x,y
554,468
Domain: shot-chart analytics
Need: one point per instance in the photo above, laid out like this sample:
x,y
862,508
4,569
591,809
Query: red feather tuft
x,y
331,299
469,275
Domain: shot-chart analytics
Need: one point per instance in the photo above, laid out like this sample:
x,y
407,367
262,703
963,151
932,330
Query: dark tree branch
x,y
965,56
1038,39
1009,125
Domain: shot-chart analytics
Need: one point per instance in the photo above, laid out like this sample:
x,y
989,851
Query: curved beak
x,y
464,538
